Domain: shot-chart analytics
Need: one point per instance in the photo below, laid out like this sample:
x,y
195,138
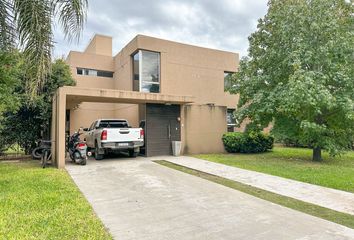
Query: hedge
x,y
252,142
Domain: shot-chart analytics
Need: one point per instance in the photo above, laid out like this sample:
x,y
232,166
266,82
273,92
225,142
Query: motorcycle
x,y
77,149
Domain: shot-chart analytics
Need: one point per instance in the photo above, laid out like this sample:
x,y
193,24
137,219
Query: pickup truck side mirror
x,y
85,129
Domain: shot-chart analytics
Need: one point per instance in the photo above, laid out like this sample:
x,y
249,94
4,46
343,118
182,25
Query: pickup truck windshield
x,y
113,124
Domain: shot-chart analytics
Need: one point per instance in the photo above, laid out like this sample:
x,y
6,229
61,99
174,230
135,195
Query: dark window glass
x,y
79,71
136,66
105,74
227,81
113,124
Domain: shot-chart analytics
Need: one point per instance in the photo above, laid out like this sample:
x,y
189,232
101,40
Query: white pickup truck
x,y
106,135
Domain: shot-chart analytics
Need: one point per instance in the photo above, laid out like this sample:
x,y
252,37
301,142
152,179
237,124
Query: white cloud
x,y
223,24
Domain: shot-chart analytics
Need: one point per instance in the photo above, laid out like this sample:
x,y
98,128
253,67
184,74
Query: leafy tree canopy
x,y
31,121
10,69
299,74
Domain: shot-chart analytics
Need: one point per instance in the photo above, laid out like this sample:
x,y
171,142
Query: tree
x,y
10,68
29,25
299,74
31,121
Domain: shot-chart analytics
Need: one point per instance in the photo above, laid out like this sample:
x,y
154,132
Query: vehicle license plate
x,y
123,144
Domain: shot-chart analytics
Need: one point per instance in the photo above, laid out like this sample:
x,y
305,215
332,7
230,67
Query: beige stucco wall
x,y
192,70
86,113
97,55
203,128
91,61
100,45
185,69
129,112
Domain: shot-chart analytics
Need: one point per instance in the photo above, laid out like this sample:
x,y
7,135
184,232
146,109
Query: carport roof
x,y
78,94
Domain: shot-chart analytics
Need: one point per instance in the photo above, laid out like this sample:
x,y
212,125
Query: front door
x,y
162,127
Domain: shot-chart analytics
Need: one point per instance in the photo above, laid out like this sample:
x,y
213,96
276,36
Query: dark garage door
x,y
162,127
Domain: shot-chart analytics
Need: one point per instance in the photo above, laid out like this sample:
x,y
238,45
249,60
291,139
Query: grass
x,y
38,203
295,163
321,212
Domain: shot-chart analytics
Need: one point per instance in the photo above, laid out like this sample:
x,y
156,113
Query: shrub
x,y
252,142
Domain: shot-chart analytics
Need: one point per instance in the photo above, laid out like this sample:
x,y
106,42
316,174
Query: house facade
x,y
155,73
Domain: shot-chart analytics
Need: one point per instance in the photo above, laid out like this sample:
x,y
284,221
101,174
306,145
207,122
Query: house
x,y
178,89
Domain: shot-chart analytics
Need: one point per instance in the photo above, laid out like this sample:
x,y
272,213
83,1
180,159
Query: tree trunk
x,y
316,154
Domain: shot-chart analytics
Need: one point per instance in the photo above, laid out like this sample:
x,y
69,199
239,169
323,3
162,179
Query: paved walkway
x,y
326,197
139,199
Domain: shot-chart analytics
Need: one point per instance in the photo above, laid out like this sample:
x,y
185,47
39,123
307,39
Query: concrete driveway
x,y
139,199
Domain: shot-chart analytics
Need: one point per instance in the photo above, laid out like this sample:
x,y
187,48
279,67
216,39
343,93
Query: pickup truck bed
x,y
105,135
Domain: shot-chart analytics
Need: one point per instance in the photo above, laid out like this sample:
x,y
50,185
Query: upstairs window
x,y
227,81
146,71
94,72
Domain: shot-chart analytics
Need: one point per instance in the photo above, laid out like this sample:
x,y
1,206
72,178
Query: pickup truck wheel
x,y
132,153
97,155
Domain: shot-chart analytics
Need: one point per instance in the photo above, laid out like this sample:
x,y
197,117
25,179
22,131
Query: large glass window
x,y
146,71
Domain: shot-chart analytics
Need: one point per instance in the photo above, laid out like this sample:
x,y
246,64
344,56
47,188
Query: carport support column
x,y
60,133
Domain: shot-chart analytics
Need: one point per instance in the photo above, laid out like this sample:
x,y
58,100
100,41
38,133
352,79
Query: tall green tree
x,y
299,74
28,25
31,122
10,72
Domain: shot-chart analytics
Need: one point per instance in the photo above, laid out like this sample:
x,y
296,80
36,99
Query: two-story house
x,y
177,89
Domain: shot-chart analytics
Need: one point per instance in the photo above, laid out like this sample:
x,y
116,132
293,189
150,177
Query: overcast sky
x,y
220,24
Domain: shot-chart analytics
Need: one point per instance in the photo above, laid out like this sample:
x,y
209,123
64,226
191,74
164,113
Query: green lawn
x,y
295,163
38,203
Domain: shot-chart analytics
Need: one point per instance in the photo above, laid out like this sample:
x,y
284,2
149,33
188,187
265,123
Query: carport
x,y
69,97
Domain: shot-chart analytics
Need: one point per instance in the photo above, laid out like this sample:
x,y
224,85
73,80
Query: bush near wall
x,y
251,142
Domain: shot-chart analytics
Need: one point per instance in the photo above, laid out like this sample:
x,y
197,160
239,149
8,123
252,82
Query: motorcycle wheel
x,y
37,153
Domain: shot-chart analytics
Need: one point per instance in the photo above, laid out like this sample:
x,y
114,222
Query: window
x,y
93,72
104,74
113,124
92,126
227,81
231,120
146,71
